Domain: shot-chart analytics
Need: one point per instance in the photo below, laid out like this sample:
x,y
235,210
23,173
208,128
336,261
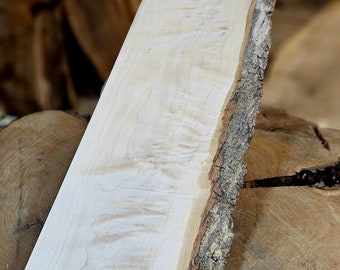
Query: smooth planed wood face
x,y
139,183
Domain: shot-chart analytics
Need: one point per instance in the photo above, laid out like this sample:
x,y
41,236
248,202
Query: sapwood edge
x,y
215,236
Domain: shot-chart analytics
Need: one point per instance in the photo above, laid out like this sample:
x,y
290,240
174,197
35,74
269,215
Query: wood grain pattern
x,y
284,144
139,184
35,154
286,228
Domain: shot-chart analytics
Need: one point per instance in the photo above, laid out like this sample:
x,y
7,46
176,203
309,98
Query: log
x,y
33,71
272,124
304,79
35,154
55,50
156,176
290,17
286,228
283,145
100,28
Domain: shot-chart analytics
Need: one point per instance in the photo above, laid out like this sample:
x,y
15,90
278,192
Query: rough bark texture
x,y
130,103
217,239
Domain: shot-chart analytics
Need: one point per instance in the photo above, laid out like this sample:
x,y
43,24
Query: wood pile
x,y
35,154
280,221
282,145
304,78
285,226
54,50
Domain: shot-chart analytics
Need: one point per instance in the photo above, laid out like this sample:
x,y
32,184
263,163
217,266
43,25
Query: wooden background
x,y
57,55
53,51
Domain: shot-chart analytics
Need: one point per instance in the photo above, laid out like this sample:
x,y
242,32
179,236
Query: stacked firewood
x,y
53,50
281,224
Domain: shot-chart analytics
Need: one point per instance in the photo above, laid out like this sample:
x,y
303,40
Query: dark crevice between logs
x,y
40,6
85,77
324,177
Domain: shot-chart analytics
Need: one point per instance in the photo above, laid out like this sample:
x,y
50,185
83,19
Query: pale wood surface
x,y
35,154
139,182
286,228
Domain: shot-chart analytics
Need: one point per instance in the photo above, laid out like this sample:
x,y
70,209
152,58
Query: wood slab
x,y
156,176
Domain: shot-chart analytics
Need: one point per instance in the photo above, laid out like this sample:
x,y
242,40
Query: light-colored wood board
x,y
286,228
35,154
304,77
137,190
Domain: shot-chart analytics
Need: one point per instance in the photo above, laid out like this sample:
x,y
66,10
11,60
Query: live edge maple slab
x,y
156,176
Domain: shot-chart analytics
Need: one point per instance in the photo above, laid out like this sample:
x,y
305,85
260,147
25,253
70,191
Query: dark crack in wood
x,y
324,177
29,226
319,135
